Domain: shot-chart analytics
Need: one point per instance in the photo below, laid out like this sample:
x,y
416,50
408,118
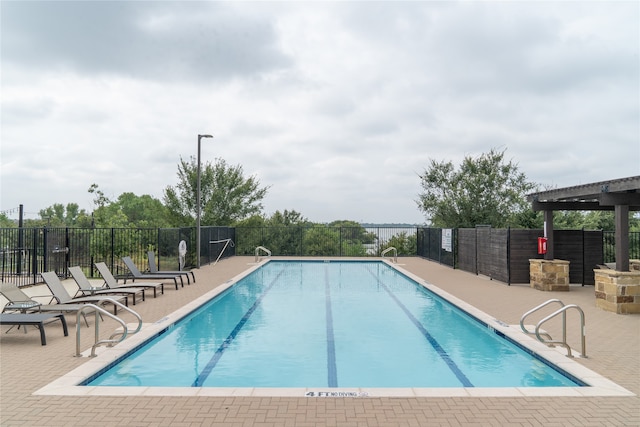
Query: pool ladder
x,y
261,248
561,311
391,249
99,312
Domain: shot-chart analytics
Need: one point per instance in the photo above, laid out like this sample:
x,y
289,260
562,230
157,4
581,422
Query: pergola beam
x,y
569,206
614,199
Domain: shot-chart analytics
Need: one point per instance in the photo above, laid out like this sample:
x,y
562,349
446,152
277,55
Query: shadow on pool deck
x,y
613,345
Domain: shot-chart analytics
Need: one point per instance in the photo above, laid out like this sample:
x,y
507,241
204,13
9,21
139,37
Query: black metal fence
x,y
325,240
433,246
27,252
499,253
609,245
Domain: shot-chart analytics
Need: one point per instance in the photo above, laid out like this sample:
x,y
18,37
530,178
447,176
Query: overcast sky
x,y
337,106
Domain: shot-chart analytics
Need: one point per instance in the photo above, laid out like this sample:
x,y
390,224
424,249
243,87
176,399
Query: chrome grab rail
x,y
563,343
99,310
261,248
562,310
391,249
533,310
223,249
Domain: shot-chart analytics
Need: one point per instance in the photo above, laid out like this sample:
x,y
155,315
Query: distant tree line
x,y
485,190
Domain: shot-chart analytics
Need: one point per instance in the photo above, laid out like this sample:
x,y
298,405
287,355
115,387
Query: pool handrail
x,y
533,310
228,241
563,343
99,311
261,248
391,249
562,310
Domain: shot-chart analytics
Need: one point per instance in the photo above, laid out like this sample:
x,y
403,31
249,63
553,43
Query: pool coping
x,y
67,385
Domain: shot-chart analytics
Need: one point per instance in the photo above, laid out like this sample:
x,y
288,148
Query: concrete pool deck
x,y
613,346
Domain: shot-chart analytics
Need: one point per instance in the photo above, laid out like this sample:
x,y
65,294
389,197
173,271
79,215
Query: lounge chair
x,y
87,289
112,283
23,303
36,319
136,274
153,269
62,296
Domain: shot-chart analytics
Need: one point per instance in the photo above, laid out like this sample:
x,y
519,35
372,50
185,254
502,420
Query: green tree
x,y
590,220
354,232
343,237
528,218
226,195
287,218
128,211
5,222
404,244
252,221
321,241
100,202
281,233
143,211
568,220
634,222
100,199
59,215
602,220
290,233
284,232
485,190
249,234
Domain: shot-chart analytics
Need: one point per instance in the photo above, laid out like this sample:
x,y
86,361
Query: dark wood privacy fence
x,y
503,254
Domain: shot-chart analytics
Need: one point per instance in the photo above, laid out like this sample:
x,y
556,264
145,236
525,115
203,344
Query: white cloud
x,y
336,106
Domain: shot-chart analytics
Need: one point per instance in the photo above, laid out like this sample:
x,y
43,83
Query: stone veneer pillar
x,y
549,275
618,291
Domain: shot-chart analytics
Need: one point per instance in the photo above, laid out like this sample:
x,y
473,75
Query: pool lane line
x,y
225,344
434,343
332,372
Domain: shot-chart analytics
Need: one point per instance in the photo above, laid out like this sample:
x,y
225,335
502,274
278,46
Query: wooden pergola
x,y
618,195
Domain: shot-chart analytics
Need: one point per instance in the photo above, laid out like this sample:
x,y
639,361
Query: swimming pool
x,y
310,324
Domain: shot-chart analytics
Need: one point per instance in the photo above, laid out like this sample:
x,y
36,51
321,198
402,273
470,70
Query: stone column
x,y
549,275
618,291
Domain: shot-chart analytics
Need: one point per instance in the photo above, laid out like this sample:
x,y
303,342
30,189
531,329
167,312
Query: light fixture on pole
x,y
198,204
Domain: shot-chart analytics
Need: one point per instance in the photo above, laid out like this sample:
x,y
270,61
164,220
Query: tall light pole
x,y
198,204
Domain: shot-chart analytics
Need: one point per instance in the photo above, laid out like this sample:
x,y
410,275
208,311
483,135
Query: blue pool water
x,y
330,324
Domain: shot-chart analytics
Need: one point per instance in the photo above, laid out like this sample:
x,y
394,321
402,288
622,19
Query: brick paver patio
x,y
613,347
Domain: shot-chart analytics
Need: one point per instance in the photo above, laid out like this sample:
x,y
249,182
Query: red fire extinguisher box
x,y
542,245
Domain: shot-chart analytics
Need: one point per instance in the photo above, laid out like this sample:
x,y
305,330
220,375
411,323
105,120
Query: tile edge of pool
x,y
68,385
